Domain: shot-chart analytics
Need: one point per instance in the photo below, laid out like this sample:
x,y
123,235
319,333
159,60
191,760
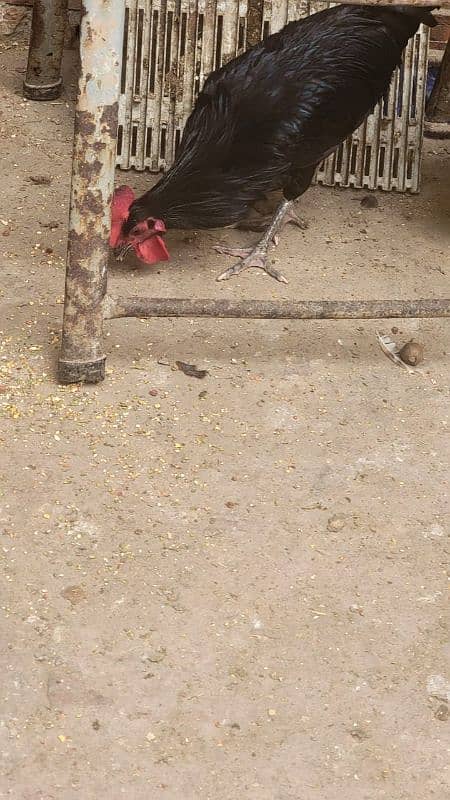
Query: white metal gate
x,y
170,46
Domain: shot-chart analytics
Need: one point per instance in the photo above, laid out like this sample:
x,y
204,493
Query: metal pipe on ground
x,y
43,78
143,307
82,357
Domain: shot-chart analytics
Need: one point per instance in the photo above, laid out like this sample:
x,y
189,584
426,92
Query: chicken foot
x,y
257,256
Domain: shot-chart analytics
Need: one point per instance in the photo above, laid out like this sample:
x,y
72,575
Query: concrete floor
x,y
231,588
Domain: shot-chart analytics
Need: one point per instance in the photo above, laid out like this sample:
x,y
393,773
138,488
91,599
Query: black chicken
x,y
265,120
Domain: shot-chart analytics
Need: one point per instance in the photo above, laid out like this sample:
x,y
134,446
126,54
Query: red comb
x,y
122,200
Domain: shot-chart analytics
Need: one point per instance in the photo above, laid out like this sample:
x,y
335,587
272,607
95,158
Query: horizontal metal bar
x,y
415,3
146,307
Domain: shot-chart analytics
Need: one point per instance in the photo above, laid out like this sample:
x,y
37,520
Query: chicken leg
x,y
257,256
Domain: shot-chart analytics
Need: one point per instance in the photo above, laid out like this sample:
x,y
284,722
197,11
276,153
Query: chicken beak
x,y
122,251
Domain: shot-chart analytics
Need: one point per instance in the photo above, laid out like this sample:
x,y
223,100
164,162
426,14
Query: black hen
x,y
265,120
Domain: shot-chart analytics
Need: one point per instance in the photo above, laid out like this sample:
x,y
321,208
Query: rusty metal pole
x,y
102,26
43,79
147,307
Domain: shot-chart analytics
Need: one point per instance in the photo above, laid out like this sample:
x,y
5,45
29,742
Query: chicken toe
x,y
251,257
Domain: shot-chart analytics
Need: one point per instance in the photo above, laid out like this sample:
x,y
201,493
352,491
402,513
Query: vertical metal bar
x,y
153,108
372,141
387,134
140,89
170,76
209,10
254,22
82,357
126,100
183,80
189,58
421,91
329,170
161,120
230,16
43,78
404,119
359,139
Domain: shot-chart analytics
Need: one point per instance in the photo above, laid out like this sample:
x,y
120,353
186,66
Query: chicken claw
x,y
257,256
251,257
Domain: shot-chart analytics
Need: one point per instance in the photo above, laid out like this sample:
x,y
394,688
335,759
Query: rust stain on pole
x,y
115,307
82,355
43,79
